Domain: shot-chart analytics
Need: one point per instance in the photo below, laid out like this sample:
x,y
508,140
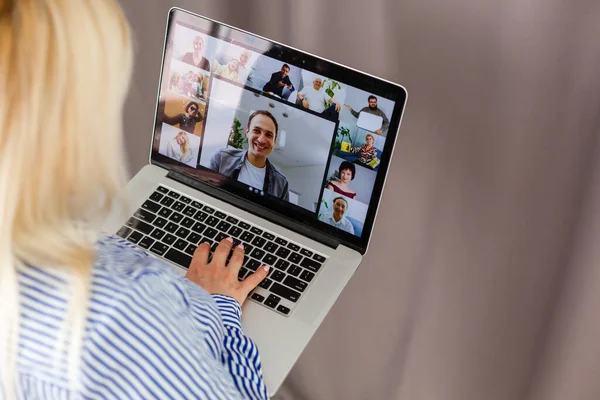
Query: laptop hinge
x,y
255,209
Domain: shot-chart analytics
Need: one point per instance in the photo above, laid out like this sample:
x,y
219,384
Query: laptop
x,y
228,159
369,122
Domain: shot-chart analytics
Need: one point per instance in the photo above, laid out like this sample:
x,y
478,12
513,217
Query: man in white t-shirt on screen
x,y
315,99
252,166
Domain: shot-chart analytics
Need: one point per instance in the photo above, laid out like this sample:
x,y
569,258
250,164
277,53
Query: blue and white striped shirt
x,y
149,334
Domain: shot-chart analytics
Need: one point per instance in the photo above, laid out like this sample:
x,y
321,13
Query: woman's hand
x,y
218,278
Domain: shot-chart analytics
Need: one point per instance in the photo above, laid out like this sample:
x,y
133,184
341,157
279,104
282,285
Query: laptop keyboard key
x,y
246,236
220,215
283,310
232,220
235,231
270,247
319,258
180,244
178,206
197,204
294,270
285,292
256,230
157,196
182,233
223,226
210,232
269,259
158,234
167,201
188,222
244,225
194,238
257,253
165,212
176,217
201,216
294,257
135,237
272,301
169,239
259,242
171,227
277,275
295,283
146,242
159,248
265,283
178,257
160,222
307,275
311,264
220,236
281,241
140,225
151,206
185,200
282,265
283,252
163,189
268,236
144,215
212,221
174,195
190,249
208,209
253,264
198,227
257,297
242,274
293,246
124,232
189,211
306,252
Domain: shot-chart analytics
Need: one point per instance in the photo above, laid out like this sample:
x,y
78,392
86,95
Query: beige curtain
x,y
483,277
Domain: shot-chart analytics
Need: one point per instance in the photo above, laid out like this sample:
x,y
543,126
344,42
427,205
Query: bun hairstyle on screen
x,y
59,174
267,114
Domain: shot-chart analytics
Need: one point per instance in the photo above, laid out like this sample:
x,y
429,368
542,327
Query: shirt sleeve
x,y
161,338
353,112
386,122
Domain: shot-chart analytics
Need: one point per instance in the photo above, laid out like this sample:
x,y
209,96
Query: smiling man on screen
x,y
252,166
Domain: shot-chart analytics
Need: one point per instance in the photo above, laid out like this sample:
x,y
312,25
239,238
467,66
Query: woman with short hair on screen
x,y
179,148
366,152
188,119
346,173
85,314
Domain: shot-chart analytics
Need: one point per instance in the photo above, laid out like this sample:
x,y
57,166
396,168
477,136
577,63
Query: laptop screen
x,y
303,137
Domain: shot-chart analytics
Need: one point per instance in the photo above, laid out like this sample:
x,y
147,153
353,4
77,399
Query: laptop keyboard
x,y
171,225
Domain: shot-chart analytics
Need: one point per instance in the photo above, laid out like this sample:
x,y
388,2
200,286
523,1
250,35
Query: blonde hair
x,y
61,162
368,135
184,147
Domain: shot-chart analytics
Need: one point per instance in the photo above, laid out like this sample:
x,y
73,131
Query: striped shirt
x,y
149,334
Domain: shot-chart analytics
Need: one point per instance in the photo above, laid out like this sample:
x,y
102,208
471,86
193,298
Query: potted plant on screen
x,y
237,139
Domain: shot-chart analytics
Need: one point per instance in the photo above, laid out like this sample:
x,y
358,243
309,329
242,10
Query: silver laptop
x,y
232,156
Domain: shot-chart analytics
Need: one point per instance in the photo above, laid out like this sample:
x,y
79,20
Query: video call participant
x,y
278,81
313,98
196,58
347,170
338,218
229,70
372,109
179,148
187,121
367,152
252,166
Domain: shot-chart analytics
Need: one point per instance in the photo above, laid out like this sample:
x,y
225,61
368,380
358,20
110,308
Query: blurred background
x,y
483,274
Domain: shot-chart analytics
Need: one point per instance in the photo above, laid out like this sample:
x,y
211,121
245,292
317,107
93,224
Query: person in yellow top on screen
x,y
179,148
229,70
338,218
252,166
